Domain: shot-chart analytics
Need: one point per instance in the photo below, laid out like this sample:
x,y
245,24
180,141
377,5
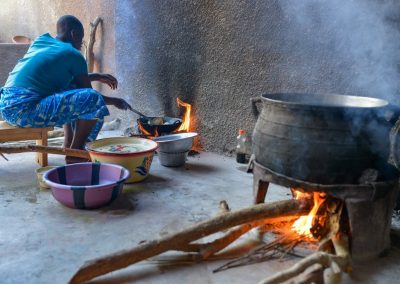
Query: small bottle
x,y
242,153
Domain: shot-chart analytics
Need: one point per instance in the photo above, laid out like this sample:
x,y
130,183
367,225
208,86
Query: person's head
x,y
70,29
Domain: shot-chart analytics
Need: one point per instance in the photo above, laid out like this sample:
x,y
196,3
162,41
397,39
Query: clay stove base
x,y
369,207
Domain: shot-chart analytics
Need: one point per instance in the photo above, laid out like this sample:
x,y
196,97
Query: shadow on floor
x,y
200,168
121,206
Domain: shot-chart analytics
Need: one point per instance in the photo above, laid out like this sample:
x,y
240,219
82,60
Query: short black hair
x,y
67,23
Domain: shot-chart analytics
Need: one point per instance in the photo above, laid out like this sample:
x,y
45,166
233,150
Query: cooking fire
x,y
157,126
305,225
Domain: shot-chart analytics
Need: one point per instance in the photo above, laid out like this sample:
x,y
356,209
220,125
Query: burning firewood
x,y
328,228
181,241
207,250
325,222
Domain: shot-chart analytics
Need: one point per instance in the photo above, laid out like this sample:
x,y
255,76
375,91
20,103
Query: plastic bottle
x,y
242,151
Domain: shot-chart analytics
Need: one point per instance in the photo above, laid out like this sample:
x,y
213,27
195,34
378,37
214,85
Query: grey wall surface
x,y
216,55
9,54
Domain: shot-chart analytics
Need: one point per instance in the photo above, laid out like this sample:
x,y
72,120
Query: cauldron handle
x,y
254,108
393,159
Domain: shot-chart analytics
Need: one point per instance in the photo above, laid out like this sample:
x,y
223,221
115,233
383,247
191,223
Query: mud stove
x,y
368,207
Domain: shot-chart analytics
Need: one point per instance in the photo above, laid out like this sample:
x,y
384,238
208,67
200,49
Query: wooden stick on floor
x,y
45,149
121,259
4,157
336,264
322,258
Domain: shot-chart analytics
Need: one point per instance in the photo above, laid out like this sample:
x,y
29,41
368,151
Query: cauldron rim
x,y
323,100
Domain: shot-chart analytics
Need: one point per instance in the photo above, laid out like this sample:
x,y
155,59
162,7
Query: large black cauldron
x,y
326,139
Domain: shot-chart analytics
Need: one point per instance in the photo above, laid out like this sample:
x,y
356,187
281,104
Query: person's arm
x,y
108,79
83,81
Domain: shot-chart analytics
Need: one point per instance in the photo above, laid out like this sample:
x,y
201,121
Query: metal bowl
x,y
175,143
172,159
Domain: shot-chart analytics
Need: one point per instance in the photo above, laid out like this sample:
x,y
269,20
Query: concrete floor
x,y
42,241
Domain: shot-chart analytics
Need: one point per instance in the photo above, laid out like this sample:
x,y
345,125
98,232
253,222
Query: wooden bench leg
x,y
41,158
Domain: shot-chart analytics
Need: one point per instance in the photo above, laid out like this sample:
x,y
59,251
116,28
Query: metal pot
x,y
322,138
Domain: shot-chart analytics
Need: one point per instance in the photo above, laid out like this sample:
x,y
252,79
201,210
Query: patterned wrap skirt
x,y
23,107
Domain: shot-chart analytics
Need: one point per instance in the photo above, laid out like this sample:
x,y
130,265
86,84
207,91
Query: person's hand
x,y
108,79
121,104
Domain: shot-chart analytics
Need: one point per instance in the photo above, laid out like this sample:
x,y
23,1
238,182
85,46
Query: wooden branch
x,y
341,245
313,274
121,259
219,244
322,258
4,157
342,249
45,149
208,249
332,274
335,264
223,207
92,39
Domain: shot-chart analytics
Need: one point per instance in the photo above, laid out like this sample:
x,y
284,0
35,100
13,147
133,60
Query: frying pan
x,y
170,124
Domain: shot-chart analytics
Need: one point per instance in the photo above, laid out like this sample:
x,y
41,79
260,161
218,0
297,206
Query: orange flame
x,y
300,195
143,131
185,126
303,225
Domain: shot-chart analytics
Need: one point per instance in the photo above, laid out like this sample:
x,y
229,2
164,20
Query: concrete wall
x,y
9,54
216,55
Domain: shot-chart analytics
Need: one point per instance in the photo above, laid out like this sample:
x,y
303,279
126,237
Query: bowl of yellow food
x,y
132,153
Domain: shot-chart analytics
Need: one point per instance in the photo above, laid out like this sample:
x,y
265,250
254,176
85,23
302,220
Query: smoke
x,y
359,38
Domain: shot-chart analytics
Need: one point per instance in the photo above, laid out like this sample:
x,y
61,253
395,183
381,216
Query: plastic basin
x,y
86,185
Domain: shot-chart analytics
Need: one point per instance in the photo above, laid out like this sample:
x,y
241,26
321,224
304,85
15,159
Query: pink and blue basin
x,y
86,185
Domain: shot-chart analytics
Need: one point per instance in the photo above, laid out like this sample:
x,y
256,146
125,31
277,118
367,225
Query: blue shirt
x,y
48,67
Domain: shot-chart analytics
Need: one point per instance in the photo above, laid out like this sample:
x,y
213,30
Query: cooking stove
x,y
369,206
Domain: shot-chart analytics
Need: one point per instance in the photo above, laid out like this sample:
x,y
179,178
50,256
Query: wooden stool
x,y
9,133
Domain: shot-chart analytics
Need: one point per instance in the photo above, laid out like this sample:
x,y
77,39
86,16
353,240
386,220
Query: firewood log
x,y
322,258
124,258
335,264
45,149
